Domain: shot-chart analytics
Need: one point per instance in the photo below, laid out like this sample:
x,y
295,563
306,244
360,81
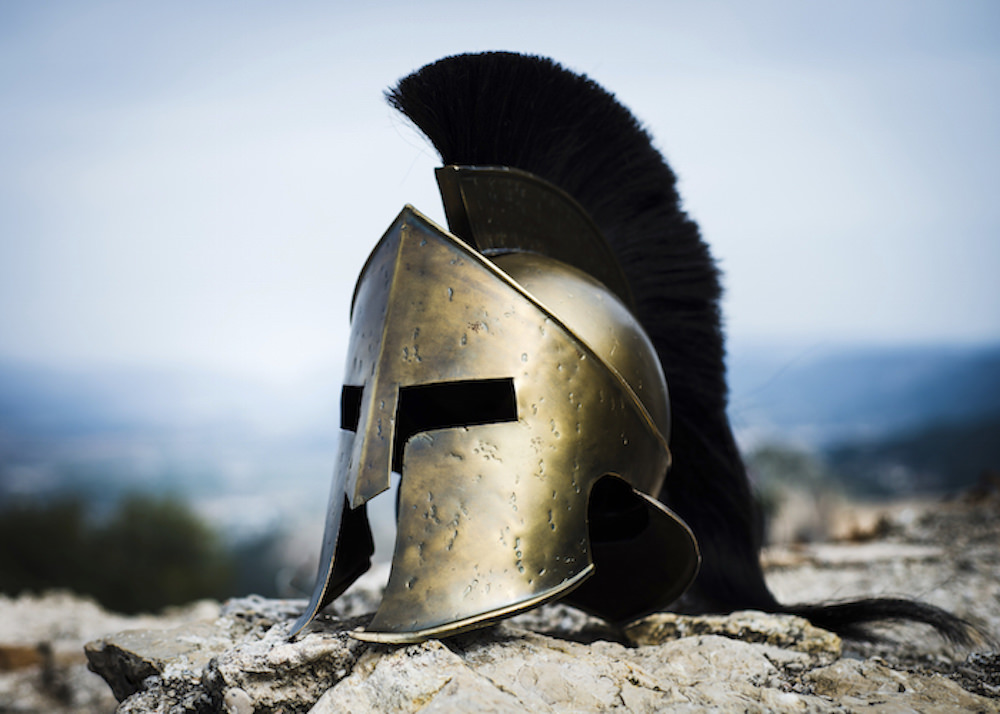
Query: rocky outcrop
x,y
42,663
243,663
238,658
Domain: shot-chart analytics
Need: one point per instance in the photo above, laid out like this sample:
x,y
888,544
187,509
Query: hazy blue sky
x,y
198,183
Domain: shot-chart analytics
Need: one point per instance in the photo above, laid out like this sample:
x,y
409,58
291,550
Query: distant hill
x,y
941,458
885,421
249,454
821,396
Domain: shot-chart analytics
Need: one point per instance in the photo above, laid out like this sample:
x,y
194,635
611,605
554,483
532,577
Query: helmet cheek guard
x,y
525,445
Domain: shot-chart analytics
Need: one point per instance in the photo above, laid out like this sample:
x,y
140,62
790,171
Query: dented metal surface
x,y
493,511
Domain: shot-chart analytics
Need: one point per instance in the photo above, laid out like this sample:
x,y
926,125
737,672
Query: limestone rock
x,y
42,663
128,658
778,630
238,658
688,664
980,673
877,688
423,677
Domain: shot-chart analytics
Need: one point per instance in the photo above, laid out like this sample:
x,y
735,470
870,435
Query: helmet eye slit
x,y
444,405
350,407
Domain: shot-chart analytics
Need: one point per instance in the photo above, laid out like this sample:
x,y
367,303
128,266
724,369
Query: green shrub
x,y
151,552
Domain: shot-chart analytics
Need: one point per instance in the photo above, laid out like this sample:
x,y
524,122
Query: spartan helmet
x,y
500,370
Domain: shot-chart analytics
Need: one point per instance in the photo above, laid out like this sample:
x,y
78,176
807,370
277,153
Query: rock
x,y
276,674
778,630
14,657
980,673
42,663
745,662
964,579
877,688
428,677
128,658
240,662
237,658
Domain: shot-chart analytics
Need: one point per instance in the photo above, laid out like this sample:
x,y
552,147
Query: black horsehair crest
x,y
529,113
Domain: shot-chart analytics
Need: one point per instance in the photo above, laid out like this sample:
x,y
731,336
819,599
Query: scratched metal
x,y
493,517
501,209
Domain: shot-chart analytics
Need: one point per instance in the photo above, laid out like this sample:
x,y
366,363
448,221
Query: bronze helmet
x,y
523,405
513,371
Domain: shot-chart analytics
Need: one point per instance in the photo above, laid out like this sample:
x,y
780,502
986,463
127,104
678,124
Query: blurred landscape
x,y
226,478
188,185
886,422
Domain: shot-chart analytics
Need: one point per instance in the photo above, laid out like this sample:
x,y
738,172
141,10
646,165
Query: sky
x,y
197,184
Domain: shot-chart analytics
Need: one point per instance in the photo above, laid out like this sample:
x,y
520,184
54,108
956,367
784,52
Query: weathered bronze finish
x,y
493,513
498,209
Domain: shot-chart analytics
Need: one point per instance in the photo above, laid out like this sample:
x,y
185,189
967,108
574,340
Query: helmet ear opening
x,y
615,512
644,555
